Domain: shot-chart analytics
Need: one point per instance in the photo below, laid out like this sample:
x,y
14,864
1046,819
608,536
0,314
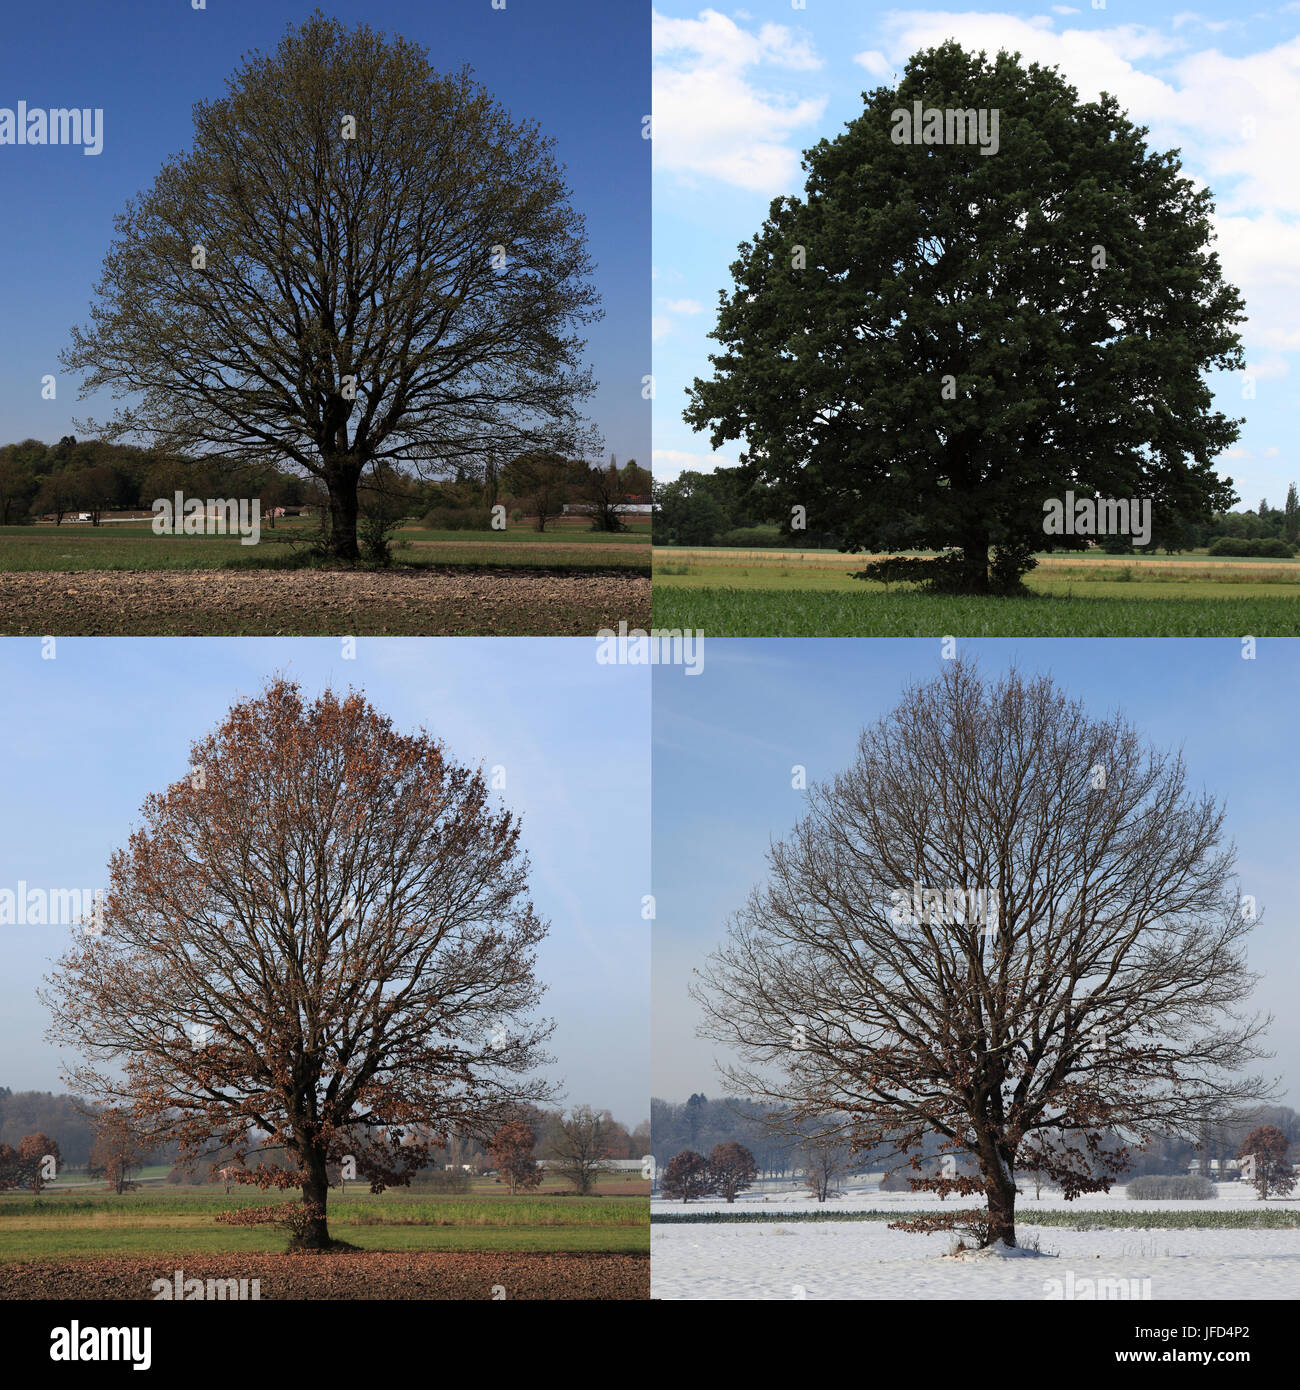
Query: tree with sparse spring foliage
x,y
1265,1163
939,336
359,261
1007,925
317,945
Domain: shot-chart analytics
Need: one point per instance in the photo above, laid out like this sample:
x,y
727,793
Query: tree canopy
x,y
937,338
358,260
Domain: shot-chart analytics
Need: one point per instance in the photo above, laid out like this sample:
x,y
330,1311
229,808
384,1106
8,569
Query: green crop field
x,y
76,547
165,1220
813,594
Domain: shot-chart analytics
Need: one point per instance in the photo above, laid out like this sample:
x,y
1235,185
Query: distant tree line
x,y
698,1126
575,1143
726,508
63,480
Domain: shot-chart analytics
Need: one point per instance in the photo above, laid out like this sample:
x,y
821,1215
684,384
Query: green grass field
x,y
164,1220
76,547
813,594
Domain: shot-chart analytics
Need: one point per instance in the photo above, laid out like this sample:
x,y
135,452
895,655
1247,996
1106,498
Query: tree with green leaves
x,y
1291,516
358,262
937,338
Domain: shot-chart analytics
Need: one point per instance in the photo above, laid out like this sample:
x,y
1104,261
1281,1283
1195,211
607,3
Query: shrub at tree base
x,y
297,1218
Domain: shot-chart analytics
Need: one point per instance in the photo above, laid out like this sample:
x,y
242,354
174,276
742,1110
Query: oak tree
x,y
939,336
358,261
1007,926
317,945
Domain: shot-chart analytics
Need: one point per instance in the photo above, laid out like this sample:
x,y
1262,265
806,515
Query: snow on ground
x,y
866,1260
786,1196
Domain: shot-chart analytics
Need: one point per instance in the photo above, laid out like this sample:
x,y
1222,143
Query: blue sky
x,y
92,732
739,94
725,743
578,67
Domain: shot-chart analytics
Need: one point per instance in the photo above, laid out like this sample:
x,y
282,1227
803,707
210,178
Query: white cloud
x,y
874,61
1232,116
683,306
1215,26
666,464
712,119
1064,9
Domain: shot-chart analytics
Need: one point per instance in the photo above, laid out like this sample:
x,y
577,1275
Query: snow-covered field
x,y
865,1259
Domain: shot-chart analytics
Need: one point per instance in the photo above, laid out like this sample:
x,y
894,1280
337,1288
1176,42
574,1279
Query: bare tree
x,y
579,1148
318,944
826,1160
358,261
1004,922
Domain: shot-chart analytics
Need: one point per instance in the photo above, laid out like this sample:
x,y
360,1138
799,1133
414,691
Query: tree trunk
x,y
1000,1188
342,484
315,1193
975,560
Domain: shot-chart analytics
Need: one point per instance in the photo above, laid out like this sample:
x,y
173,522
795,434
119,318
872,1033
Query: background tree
x,y
1084,986
323,932
687,1175
38,1161
511,1148
1291,512
934,340
731,1167
1265,1150
579,1147
116,1153
603,494
542,481
391,273
825,1162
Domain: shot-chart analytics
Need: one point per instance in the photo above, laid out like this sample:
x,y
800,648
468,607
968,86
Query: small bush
x,y
451,1180
1175,1188
1272,548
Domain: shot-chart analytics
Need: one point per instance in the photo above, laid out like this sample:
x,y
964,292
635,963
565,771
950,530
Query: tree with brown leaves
x,y
1006,923
1263,1155
732,1168
115,1152
511,1148
320,938
687,1175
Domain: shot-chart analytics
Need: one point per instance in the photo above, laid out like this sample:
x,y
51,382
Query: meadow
x,y
778,593
75,547
78,1221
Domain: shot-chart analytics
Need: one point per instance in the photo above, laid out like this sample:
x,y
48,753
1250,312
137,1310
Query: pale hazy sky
x,y
726,741
89,734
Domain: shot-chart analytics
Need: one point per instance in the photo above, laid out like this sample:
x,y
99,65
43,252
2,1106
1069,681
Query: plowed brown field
x,y
360,1274
203,603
